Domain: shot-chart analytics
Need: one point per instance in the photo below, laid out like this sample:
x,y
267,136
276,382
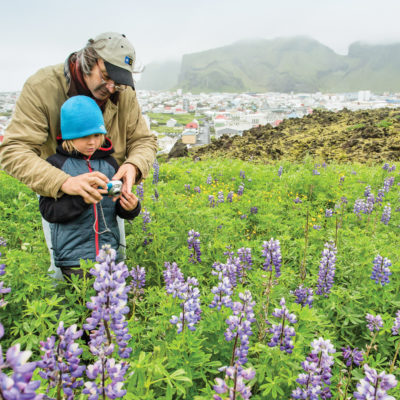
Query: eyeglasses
x,y
109,83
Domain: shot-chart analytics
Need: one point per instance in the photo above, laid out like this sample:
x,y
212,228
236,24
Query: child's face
x,y
88,144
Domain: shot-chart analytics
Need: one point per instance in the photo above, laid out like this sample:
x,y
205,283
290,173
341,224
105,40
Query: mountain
x,y
159,76
298,64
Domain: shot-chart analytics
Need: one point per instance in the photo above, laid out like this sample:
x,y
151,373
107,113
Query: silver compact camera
x,y
114,188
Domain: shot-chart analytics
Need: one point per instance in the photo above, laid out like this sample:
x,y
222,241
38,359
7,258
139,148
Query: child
x,y
78,230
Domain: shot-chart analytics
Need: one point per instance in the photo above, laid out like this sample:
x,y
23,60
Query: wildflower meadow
x,y
241,280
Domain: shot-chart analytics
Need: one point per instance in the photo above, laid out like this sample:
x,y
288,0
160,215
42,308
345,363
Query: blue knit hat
x,y
80,117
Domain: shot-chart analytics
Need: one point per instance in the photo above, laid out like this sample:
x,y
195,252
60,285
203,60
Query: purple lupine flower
x,y
242,174
191,311
60,363
173,278
239,326
156,195
220,198
283,333
297,200
280,171
240,189
209,180
106,369
244,254
146,219
386,214
140,191
380,196
197,189
380,270
314,382
316,172
3,290
243,216
304,296
107,321
18,384
273,257
328,213
359,207
369,204
341,180
374,385
388,183
367,191
317,227
229,197
3,241
187,187
234,383
385,166
211,201
324,165
396,324
194,245
138,275
374,323
352,356
326,270
253,210
392,168
222,294
156,172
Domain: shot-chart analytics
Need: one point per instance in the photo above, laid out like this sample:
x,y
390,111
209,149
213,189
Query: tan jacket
x,y
31,135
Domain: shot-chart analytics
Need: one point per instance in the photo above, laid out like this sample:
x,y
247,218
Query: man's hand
x,y
127,174
128,201
86,185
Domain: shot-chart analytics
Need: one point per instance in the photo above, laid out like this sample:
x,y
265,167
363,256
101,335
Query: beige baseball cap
x,y
118,55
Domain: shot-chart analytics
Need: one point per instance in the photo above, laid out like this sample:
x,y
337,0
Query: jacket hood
x,y
104,151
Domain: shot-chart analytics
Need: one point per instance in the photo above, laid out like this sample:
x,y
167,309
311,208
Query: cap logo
x,y
101,127
128,60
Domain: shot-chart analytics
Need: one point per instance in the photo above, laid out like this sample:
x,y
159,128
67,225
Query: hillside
x,y
297,64
370,136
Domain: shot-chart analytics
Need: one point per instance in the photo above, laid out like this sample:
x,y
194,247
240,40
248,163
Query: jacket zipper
x,y
96,236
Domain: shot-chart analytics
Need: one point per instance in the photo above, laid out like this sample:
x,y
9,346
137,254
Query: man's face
x,y
98,82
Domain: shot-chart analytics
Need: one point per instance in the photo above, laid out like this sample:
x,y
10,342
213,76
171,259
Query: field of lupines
x,y
241,281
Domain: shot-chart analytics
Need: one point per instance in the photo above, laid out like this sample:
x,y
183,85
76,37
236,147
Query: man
x,y
103,71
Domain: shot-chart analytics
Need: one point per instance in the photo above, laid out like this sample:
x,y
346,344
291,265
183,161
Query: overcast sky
x,y
36,33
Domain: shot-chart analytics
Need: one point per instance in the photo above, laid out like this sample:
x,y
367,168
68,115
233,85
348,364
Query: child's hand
x,y
128,201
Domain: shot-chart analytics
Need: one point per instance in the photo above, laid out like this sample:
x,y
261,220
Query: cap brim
x,y
119,75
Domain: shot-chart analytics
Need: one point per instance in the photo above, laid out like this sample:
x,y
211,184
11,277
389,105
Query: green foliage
x,y
167,365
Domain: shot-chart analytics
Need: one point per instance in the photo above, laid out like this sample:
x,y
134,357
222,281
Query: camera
x,y
114,188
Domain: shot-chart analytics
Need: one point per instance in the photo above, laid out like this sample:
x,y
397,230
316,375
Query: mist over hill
x,y
297,64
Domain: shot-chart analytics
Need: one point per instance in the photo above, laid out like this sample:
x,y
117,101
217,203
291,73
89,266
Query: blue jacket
x,y
79,230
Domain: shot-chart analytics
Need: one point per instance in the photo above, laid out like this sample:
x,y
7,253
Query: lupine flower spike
x,y
380,270
374,324
314,382
108,327
395,332
282,332
326,270
374,385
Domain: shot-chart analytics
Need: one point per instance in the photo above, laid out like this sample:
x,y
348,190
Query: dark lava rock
x,y
178,150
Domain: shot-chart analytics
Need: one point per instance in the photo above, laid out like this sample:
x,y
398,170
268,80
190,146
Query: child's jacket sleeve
x,y
127,214
63,209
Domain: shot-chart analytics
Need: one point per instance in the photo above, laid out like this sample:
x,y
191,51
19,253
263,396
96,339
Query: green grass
x,y
167,365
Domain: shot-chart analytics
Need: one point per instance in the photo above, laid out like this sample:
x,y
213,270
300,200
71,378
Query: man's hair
x,y
87,57
69,147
